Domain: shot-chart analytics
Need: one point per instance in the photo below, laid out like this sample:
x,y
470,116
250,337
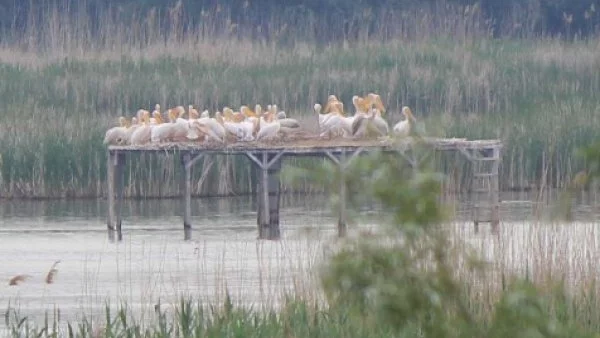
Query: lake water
x,y
153,262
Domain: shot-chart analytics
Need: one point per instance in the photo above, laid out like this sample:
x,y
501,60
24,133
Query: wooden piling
x,y
495,190
115,177
110,178
268,197
342,225
119,185
186,185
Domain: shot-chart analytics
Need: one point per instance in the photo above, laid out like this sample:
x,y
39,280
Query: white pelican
x,y
192,113
370,124
375,100
380,123
205,114
286,122
142,134
155,112
236,124
182,126
211,127
403,128
360,105
337,124
117,135
269,127
332,102
134,125
163,132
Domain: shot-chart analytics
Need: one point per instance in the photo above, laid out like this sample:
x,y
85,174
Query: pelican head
x,y
180,111
281,115
172,115
332,98
317,107
192,113
273,109
376,101
408,113
134,121
227,113
219,117
140,113
122,121
247,112
257,110
146,117
157,116
338,107
205,114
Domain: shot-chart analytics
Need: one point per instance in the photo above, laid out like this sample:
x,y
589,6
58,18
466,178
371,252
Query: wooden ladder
x,y
485,191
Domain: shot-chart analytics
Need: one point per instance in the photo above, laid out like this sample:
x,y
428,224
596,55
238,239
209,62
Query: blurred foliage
x,y
405,278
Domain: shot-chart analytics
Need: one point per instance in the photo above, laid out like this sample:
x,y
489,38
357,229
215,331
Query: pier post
x,y
342,162
495,187
186,185
342,226
115,179
269,166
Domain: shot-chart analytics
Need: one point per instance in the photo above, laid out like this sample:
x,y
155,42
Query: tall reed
x,y
64,83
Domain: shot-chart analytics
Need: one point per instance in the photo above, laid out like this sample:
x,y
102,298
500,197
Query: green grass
x,y
541,97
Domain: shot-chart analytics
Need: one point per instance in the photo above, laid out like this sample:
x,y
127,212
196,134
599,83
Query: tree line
x,y
565,18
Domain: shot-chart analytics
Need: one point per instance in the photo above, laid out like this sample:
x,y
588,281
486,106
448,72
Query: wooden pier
x,y
485,156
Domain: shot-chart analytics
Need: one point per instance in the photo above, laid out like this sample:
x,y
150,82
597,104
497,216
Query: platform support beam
x,y
343,162
115,177
268,194
187,163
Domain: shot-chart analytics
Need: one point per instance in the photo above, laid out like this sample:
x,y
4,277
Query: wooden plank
x,y
311,145
186,184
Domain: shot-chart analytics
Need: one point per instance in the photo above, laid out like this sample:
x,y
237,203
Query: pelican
x,y
404,127
155,113
163,132
380,123
287,122
371,124
375,100
360,105
269,126
143,133
332,101
192,113
117,135
338,124
182,126
211,127
236,124
134,125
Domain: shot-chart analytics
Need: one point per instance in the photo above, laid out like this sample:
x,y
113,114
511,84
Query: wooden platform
x,y
485,155
307,146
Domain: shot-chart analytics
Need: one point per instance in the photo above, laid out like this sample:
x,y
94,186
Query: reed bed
x,y
61,88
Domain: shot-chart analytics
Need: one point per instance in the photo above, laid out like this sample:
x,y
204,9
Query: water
x,y
153,262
